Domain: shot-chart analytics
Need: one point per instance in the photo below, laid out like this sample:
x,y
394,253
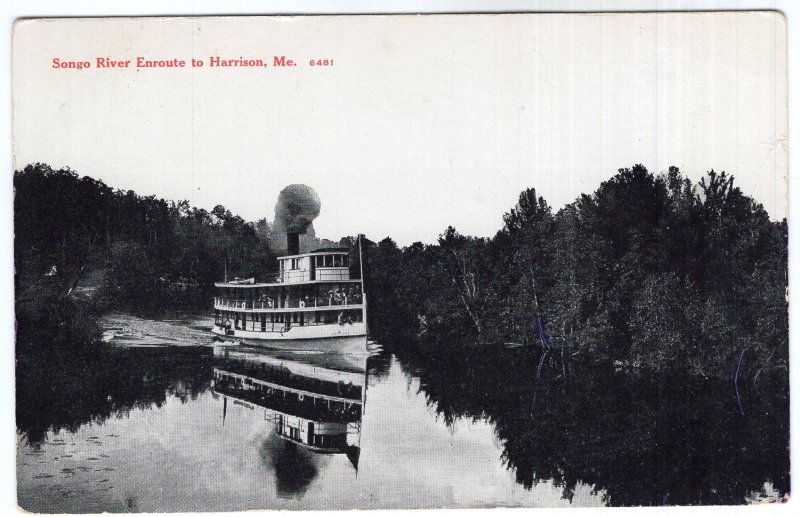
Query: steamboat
x,y
310,303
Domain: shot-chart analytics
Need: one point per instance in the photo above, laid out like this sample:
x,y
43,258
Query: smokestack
x,y
293,243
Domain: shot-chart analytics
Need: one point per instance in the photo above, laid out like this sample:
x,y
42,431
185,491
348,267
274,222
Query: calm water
x,y
186,427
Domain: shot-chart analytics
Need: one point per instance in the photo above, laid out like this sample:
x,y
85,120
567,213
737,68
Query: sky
x,y
422,121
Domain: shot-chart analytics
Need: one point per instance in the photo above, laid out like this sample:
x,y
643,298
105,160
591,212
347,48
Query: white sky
x,y
423,121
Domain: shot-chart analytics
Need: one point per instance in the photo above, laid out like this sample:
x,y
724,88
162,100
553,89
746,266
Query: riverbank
x,y
128,330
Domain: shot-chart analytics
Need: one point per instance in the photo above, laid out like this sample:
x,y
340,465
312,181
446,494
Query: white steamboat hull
x,y
348,338
299,332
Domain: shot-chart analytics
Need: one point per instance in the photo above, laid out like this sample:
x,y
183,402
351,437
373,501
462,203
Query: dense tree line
x,y
143,253
648,272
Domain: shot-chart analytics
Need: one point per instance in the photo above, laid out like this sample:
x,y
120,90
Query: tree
x,y
522,257
463,260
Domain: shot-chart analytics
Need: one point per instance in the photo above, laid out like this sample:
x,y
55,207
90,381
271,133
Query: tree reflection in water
x,y
637,440
652,441
64,391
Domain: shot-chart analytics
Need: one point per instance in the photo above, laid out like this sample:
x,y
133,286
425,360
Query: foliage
x,y
154,254
648,272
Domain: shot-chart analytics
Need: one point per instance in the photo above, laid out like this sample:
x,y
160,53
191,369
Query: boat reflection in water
x,y
315,401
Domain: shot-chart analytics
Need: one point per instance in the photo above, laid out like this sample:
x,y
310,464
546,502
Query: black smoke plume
x,y
298,205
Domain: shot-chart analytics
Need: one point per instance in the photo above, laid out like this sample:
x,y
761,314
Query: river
x,y
164,421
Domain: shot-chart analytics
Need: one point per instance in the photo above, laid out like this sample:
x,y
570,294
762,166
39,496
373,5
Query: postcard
x,y
401,261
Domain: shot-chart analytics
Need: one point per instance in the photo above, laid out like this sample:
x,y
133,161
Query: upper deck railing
x,y
337,300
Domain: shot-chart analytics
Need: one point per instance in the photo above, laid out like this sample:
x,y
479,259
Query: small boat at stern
x,y
310,303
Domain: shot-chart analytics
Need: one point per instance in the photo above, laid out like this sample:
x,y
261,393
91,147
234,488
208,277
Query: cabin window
x,y
345,260
337,261
328,260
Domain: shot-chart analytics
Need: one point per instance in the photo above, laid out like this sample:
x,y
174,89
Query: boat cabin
x,y
320,265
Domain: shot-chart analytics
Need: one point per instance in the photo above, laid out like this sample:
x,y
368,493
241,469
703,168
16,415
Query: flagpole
x,y
363,291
